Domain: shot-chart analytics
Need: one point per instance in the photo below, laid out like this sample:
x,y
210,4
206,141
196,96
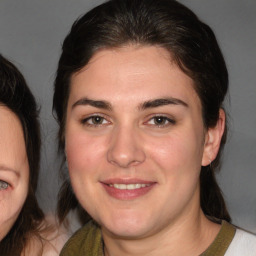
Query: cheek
x,y
11,203
84,152
85,156
178,153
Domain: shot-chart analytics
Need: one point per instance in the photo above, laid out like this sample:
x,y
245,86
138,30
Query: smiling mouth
x,y
127,190
128,186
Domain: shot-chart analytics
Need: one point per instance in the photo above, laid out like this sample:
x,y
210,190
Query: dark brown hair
x,y
163,23
15,94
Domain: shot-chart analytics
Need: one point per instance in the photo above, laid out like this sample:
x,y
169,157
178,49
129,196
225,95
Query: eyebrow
x,y
162,102
5,168
145,105
94,103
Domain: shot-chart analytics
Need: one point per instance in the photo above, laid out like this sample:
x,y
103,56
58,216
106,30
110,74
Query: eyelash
x,y
4,185
103,121
86,120
164,119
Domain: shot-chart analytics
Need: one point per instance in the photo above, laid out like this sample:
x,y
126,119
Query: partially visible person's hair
x,y
15,95
162,23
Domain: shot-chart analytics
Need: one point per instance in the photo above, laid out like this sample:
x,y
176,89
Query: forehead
x,y
129,71
7,116
11,132
12,144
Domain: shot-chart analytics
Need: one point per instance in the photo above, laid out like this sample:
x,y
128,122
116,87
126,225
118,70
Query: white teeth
x,y
128,186
120,186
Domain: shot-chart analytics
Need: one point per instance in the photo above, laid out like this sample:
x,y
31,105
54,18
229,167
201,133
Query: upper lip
x,y
126,181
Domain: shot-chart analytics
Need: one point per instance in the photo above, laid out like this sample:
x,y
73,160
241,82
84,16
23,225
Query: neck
x,y
197,232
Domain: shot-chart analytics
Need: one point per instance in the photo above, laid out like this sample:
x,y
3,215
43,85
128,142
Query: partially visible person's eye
x,y
95,120
3,185
160,121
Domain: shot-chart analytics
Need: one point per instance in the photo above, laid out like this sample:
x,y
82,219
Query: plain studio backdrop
x,y
31,34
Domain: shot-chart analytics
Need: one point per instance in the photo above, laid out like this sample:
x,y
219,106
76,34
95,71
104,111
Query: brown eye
x,y
160,120
97,120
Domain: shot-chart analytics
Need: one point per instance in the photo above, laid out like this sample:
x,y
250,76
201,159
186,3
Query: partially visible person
x,y
23,227
139,96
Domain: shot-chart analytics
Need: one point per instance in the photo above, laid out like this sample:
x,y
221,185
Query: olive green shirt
x,y
88,241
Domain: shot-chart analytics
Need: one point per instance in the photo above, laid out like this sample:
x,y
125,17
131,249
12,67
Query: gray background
x,y
31,33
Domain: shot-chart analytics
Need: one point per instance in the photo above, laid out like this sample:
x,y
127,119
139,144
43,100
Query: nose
x,y
126,148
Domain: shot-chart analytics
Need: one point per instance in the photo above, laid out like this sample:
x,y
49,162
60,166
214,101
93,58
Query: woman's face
x,y
14,169
135,141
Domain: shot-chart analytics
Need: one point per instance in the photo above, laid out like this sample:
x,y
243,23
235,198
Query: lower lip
x,y
127,194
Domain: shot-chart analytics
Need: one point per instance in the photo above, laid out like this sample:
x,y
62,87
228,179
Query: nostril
x,y
126,160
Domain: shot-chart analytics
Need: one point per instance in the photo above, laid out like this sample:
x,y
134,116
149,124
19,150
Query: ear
x,y
213,139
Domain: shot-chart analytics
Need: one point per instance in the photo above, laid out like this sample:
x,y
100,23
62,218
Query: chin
x,y
126,232
129,227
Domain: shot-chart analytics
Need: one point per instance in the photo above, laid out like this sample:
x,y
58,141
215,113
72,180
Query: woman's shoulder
x,y
48,241
243,243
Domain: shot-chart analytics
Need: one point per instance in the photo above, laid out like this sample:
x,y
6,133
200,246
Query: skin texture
x,y
52,239
137,138
14,169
